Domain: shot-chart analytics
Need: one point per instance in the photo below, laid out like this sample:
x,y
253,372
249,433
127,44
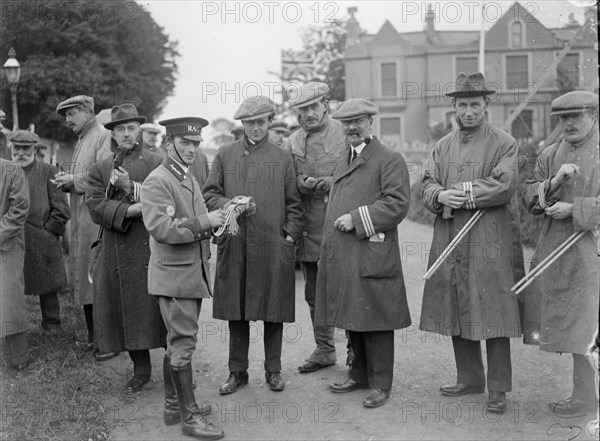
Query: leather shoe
x,y
376,398
496,402
103,356
275,381
347,386
235,380
459,389
137,382
572,407
310,366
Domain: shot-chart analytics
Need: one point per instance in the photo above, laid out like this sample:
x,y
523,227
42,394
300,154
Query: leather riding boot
x,y
171,415
192,421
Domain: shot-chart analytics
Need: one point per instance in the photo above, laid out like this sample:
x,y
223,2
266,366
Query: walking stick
x,y
544,264
463,232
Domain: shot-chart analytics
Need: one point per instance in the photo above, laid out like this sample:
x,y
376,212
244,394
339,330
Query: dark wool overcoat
x,y
255,275
126,317
360,284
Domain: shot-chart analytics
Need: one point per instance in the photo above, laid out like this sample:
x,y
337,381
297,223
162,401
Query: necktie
x,y
354,155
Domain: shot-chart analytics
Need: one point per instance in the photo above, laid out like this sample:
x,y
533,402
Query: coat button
x,y
146,266
145,242
305,233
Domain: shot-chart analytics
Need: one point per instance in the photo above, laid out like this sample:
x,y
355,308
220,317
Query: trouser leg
x,y
239,342
50,310
358,371
181,320
585,374
499,377
379,351
349,350
141,362
88,312
16,349
469,366
273,341
324,353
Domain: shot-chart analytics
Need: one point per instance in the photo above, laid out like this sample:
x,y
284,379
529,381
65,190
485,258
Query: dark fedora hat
x,y
471,85
122,114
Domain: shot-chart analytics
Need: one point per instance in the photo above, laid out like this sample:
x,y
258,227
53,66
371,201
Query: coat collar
x,y
299,137
176,170
345,168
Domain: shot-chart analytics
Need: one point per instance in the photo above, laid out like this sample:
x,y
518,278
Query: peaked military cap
x,y
355,108
575,102
254,107
23,137
189,128
308,94
122,114
469,86
79,100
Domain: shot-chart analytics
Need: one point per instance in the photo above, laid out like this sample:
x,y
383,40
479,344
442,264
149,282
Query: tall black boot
x,y
192,422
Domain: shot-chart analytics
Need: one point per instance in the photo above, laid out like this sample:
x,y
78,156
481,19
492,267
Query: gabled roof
x,y
387,36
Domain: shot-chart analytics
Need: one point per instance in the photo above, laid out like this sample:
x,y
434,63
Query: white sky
x,y
227,48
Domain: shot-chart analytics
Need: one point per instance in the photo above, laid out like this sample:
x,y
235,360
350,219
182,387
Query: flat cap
x,y
79,100
150,127
189,128
575,102
308,94
355,108
468,86
23,137
254,107
278,125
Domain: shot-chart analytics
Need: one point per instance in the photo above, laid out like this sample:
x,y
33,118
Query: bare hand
x,y
217,218
120,179
63,180
324,184
289,238
564,172
560,210
134,210
452,198
344,223
306,184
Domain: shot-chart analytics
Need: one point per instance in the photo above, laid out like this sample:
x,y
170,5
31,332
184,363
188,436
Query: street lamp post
x,y
13,72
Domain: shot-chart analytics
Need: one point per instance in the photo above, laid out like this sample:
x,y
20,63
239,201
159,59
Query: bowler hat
x,y
23,137
254,107
575,102
308,94
79,100
187,127
355,108
123,114
468,86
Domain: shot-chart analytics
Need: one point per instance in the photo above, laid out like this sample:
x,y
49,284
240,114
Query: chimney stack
x,y
352,28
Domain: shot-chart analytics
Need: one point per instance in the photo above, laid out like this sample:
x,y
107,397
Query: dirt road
x,y
306,410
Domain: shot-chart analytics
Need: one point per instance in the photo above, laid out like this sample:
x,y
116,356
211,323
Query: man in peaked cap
x,y
150,131
360,287
126,318
565,189
44,270
316,147
255,275
93,145
177,220
278,131
474,168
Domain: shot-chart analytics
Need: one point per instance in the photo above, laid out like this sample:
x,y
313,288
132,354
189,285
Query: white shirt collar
x,y
359,148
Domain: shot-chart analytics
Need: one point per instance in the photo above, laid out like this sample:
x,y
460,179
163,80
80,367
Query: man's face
x,y
470,111
276,136
188,150
126,134
23,154
313,114
357,129
149,138
76,118
576,125
256,129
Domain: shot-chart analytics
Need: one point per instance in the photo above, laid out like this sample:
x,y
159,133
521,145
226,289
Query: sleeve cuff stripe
x,y
366,218
542,195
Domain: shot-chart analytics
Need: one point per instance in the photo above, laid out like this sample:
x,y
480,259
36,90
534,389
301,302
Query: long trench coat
x,y
469,295
49,212
360,284
126,317
568,306
93,145
14,206
255,274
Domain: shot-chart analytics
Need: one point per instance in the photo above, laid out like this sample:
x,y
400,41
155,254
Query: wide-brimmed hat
x,y
122,114
469,86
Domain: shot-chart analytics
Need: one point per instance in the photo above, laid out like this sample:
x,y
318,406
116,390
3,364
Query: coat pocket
x,y
172,259
379,260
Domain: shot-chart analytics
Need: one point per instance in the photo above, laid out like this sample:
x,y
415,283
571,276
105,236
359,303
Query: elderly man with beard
x,y
44,269
565,188
316,147
92,146
126,317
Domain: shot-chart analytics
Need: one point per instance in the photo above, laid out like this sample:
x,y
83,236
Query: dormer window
x,y
516,34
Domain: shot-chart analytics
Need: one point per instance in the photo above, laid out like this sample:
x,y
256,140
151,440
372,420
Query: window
x,y
390,131
516,34
466,64
522,126
388,79
567,72
517,74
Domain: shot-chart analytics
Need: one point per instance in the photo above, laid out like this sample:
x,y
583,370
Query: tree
x,y
113,51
